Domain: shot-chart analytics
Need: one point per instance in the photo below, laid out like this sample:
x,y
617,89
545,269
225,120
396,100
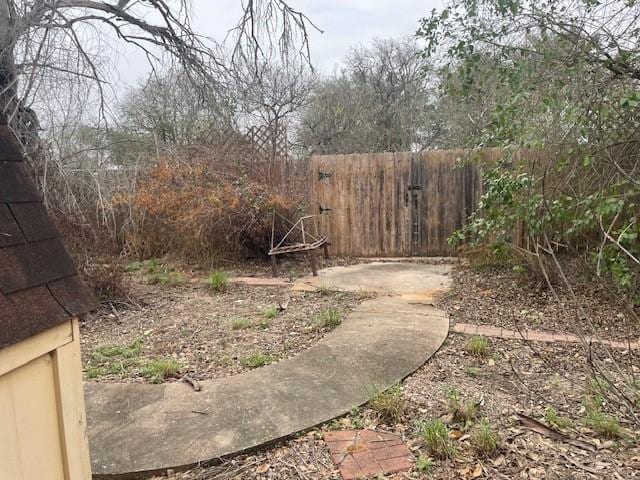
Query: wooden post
x,y
274,266
312,259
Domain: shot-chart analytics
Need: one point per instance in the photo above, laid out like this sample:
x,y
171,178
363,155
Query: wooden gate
x,y
393,204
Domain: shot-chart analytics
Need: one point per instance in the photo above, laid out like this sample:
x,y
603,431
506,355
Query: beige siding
x,y
42,421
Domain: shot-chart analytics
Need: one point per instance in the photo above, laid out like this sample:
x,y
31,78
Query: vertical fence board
x,y
373,211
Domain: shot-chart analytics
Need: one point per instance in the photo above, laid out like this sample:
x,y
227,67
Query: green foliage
x,y
240,324
437,440
603,424
258,359
555,420
271,312
114,360
483,439
159,369
461,410
328,318
424,464
389,404
478,346
218,281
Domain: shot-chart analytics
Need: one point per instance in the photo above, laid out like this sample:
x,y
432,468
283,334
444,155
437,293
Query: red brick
x,y
340,435
391,452
340,447
367,462
350,470
508,334
460,327
395,465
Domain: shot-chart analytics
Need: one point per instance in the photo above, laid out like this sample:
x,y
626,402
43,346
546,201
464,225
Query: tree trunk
x,y
8,87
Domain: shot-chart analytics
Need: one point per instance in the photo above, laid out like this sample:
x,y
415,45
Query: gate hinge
x,y
323,175
324,210
415,187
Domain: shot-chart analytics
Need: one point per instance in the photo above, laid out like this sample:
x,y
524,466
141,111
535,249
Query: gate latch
x,y
323,175
324,210
415,187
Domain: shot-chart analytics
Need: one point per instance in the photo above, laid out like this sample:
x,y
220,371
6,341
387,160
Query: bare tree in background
x,y
380,101
57,37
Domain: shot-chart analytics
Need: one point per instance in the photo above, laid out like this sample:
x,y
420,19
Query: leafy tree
x,y
560,78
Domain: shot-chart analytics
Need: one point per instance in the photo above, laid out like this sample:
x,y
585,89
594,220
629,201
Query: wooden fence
x,y
395,204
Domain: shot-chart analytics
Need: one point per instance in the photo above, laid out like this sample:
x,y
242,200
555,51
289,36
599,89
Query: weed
x,y
555,420
133,267
240,324
436,438
166,277
484,440
604,425
462,411
389,405
160,369
355,415
103,353
472,371
424,464
259,359
328,318
478,346
325,291
271,312
95,372
218,281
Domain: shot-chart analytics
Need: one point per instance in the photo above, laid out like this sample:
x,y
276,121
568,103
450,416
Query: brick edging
x,y
537,335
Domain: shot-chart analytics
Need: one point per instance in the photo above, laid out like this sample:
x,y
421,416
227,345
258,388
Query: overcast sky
x,y
346,23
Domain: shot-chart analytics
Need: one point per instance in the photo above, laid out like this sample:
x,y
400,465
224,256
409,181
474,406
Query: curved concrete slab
x,y
139,429
389,278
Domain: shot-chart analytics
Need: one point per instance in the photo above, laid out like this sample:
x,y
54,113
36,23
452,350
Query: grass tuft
x,y
424,464
555,420
436,438
478,346
461,410
160,369
328,318
271,312
389,405
258,359
484,440
218,281
240,324
604,425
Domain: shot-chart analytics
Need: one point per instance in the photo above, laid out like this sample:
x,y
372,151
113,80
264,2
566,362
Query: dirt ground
x,y
548,383
502,297
186,328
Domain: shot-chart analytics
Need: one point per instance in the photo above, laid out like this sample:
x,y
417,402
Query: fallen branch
x,y
193,382
542,429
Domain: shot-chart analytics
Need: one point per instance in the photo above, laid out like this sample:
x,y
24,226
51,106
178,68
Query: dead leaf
x,y
498,461
542,429
263,468
455,434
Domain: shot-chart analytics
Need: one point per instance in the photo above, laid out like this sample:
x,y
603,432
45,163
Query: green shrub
x,y
218,281
424,464
436,438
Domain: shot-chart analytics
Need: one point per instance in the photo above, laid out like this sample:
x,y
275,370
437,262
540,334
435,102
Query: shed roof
x,y
39,285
